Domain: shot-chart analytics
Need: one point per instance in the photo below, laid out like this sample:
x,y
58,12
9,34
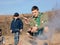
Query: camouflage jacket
x,y
40,21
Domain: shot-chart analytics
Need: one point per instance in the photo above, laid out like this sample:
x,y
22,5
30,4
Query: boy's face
x,y
35,13
15,17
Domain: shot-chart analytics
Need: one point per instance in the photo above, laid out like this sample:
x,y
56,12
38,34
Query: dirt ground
x,y
24,39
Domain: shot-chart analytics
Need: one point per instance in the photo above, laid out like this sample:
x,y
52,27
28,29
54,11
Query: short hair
x,y
34,8
16,14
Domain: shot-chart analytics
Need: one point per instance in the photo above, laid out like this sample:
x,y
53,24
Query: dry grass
x,y
5,26
25,40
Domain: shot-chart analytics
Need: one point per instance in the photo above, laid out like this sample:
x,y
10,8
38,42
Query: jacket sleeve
x,y
11,25
20,24
44,20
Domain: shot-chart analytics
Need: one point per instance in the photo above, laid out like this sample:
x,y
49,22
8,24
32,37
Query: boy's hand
x,y
34,29
20,30
11,31
46,29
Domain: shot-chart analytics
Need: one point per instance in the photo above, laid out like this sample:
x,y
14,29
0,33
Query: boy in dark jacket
x,y
16,27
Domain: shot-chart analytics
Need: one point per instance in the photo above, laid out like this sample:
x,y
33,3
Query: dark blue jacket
x,y
16,25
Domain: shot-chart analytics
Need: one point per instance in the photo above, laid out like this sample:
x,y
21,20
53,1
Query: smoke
x,y
54,24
